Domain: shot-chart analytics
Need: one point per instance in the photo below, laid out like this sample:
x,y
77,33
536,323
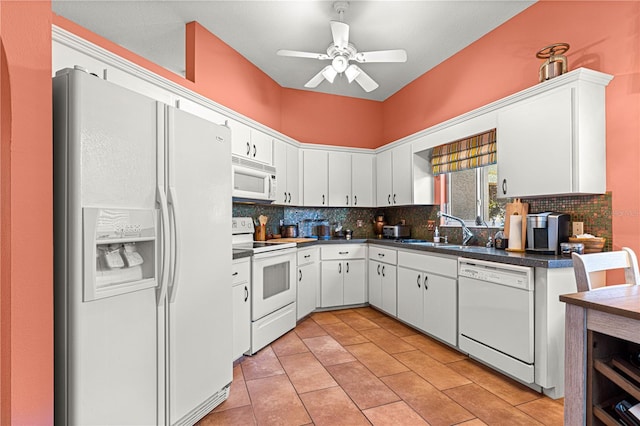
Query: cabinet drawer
x,y
308,256
442,265
383,255
240,271
343,251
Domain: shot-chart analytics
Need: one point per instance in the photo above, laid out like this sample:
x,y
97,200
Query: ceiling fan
x,y
340,52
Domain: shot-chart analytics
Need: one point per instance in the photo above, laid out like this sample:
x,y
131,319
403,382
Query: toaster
x,y
396,231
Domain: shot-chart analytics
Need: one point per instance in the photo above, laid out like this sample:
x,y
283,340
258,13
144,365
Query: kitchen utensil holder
x,y
261,233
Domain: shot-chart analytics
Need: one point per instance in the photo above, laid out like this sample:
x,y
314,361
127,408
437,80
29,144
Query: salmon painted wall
x,y
604,36
222,74
26,262
333,120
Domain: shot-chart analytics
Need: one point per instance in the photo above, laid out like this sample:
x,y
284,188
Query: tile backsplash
x,y
593,210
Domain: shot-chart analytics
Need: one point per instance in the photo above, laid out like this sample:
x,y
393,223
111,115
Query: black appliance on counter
x,y
545,232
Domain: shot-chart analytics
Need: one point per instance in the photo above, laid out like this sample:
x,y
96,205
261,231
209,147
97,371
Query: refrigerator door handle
x,y
165,246
173,201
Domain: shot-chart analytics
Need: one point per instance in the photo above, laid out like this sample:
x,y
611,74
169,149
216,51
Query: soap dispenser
x,y
436,235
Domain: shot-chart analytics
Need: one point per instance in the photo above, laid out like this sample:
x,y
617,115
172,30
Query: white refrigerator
x,y
142,213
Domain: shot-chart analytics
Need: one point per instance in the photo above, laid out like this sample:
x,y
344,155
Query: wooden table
x,y
599,326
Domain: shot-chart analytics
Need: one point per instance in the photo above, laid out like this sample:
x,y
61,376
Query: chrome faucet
x,y
467,235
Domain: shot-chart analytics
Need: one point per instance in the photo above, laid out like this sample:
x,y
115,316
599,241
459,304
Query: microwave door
x,y
250,184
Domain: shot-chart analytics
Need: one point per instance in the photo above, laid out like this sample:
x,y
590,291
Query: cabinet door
x,y
280,163
410,296
534,145
375,284
308,279
339,179
241,320
383,179
355,285
441,307
240,139
262,146
389,289
362,180
402,175
293,176
332,283
314,186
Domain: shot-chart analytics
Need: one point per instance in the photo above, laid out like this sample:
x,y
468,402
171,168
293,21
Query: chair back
x,y
585,264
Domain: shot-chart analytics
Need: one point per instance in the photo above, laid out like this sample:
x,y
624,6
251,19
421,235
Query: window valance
x,y
468,153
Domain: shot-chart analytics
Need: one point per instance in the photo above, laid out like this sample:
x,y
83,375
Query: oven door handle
x,y
274,253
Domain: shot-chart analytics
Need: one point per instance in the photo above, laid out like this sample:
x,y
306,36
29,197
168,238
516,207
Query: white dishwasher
x,y
496,315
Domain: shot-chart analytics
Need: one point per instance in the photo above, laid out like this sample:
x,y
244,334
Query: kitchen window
x,y
472,194
469,172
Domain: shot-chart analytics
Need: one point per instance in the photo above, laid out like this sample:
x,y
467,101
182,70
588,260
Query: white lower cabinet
x,y
427,294
343,274
308,280
382,279
241,306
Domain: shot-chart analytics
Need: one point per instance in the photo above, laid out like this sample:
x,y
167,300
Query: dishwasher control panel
x,y
498,273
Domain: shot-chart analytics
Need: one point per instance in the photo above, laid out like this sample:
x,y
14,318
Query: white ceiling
x,y
430,31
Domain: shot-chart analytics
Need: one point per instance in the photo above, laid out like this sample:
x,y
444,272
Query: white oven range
x,y
273,285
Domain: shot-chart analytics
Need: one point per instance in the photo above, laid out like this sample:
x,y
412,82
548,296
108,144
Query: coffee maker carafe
x,y
545,232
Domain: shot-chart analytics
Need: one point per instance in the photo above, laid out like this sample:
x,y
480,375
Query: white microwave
x,y
252,180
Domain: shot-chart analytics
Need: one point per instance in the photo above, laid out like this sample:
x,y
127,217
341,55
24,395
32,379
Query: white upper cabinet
x,y
315,178
250,143
340,179
394,176
554,142
362,180
285,160
350,179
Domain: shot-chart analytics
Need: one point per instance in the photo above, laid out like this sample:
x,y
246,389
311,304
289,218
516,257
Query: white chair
x,y
585,264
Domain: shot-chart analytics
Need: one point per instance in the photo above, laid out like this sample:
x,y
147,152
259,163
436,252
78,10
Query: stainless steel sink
x,y
427,244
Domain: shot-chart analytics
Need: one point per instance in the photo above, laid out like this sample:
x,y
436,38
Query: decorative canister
x,y
378,224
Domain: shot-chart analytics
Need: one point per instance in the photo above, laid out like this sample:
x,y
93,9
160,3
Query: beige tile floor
x,y
361,367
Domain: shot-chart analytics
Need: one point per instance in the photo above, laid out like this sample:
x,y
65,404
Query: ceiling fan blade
x,y
365,81
397,55
340,32
317,79
298,54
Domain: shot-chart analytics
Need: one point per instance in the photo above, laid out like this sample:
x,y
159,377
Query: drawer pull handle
x,y
343,252
306,256
234,274
380,254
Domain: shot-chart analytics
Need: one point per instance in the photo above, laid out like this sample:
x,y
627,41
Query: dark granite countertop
x,y
240,253
471,252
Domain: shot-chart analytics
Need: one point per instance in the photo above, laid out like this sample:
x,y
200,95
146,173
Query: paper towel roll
x,y
515,232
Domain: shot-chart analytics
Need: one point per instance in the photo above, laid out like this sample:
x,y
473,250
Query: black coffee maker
x,y
545,232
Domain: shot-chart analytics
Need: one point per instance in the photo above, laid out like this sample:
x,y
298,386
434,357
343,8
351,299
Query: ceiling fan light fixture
x,y
352,72
340,63
329,73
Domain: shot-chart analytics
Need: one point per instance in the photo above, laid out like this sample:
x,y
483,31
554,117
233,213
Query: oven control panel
x,y
242,225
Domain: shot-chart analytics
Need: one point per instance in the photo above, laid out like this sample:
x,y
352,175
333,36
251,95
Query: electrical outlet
x,y
578,228
431,225
359,223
